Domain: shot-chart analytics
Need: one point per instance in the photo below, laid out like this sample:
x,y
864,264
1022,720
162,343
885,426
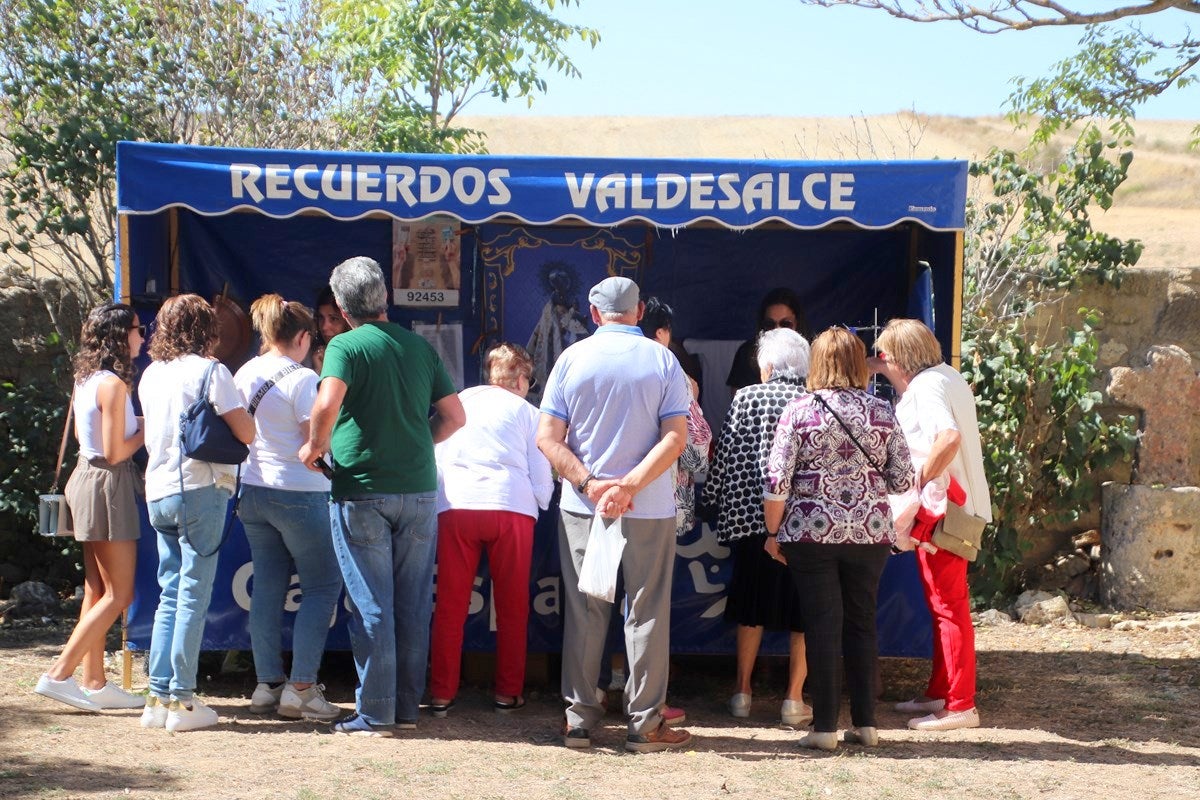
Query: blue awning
x,y
666,193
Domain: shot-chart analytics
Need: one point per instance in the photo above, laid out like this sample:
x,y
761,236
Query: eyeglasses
x,y
771,324
139,328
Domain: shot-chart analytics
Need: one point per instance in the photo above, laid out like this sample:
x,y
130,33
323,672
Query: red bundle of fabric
x,y
926,520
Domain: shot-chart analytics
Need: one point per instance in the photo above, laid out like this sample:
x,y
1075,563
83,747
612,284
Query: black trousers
x,y
838,585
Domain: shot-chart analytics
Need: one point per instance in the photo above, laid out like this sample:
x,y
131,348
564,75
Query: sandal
x,y
508,708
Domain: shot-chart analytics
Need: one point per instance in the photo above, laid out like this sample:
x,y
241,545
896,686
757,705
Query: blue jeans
x,y
285,529
186,580
385,545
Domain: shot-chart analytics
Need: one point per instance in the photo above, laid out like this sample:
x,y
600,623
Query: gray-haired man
x,y
372,413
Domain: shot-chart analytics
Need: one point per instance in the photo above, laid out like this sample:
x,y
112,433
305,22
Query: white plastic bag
x,y
602,558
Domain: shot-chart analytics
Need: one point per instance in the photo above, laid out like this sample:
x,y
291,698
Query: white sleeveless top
x,y
87,415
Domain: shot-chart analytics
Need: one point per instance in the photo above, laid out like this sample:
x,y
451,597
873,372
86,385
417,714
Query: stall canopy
x,y
541,191
860,242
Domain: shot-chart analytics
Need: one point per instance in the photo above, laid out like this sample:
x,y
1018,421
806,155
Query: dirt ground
x,y
1068,713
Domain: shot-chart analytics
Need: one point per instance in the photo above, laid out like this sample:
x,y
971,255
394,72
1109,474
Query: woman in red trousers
x,y
937,413
492,479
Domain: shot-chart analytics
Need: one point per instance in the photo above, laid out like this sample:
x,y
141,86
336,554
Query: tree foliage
x,y
77,77
1030,241
416,65
1115,70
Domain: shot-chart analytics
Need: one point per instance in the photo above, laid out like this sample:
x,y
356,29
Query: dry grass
x,y
1069,713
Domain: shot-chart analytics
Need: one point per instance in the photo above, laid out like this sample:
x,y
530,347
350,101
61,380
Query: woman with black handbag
x,y
100,497
187,500
838,453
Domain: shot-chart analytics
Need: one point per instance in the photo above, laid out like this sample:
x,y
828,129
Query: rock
x,y
1029,598
1094,620
1086,539
1073,564
1131,625
1048,612
1151,548
992,617
33,599
1168,392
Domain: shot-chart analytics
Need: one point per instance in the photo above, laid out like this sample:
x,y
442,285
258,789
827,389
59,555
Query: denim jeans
x,y
385,545
186,580
285,529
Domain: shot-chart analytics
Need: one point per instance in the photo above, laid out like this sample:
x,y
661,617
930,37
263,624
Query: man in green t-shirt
x,y
371,414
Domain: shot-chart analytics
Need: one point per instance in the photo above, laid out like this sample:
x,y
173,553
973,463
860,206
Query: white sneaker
x,y
265,699
819,740
952,721
65,691
866,736
307,703
616,683
920,705
181,718
112,696
739,705
795,713
154,715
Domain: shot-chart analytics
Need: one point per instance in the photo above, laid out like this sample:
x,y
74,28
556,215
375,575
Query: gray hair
x,y
783,348
359,288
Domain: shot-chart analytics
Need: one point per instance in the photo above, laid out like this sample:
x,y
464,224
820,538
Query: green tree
x,y
412,67
1115,70
77,77
1029,242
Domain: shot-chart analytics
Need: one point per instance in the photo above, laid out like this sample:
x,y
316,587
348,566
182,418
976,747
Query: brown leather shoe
x,y
664,738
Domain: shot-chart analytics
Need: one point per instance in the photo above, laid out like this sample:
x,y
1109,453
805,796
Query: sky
x,y
781,58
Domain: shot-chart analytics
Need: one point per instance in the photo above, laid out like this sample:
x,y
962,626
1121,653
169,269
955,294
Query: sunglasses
x,y
139,328
770,324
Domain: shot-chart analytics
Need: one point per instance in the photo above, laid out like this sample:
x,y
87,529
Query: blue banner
x,y
541,190
702,572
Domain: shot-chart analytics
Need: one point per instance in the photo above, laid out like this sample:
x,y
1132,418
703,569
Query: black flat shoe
x,y
440,711
508,708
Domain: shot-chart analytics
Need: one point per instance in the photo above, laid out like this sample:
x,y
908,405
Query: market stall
x,y
482,249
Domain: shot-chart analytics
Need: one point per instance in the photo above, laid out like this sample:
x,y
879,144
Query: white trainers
x,y
952,721
265,699
65,691
920,705
154,715
739,705
307,703
112,696
819,740
181,718
795,713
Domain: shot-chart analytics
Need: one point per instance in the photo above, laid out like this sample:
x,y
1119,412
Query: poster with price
x,y
426,262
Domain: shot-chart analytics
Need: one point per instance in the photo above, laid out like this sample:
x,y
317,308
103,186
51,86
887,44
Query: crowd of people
x,y
365,475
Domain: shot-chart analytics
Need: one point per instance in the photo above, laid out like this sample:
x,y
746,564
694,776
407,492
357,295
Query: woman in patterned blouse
x,y
762,594
837,454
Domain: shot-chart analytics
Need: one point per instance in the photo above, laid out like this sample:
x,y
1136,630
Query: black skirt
x,y
762,591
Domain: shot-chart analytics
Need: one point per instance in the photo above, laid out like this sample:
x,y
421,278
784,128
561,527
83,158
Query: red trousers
x,y
952,677
462,537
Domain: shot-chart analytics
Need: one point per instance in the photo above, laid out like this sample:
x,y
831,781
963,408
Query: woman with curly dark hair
x,y
100,497
187,501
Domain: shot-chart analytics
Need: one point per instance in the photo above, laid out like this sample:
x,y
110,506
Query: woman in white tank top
x,y
101,498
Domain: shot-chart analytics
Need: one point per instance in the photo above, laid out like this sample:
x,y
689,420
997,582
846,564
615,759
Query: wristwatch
x,y
583,484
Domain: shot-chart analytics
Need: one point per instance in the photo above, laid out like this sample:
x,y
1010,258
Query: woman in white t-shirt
x,y
285,512
492,479
100,497
187,501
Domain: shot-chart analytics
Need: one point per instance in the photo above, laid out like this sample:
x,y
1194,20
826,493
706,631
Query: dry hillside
x,y
1160,203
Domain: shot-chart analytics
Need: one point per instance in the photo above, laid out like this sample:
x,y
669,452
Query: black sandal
x,y
508,708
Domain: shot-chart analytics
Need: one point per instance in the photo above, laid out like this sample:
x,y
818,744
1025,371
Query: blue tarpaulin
x,y
709,237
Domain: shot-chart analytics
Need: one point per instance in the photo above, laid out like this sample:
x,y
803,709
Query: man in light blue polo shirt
x,y
614,419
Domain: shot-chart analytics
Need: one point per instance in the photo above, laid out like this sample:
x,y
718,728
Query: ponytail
x,y
277,320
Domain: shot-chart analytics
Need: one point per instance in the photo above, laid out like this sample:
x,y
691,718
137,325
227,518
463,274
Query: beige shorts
x,y
102,500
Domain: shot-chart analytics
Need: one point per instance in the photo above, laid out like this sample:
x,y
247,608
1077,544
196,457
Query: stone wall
x,y
31,312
